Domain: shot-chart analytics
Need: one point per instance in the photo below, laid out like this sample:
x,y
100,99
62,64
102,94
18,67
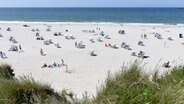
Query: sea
x,y
111,15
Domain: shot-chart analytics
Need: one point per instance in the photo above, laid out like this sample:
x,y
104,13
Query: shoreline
x,y
89,23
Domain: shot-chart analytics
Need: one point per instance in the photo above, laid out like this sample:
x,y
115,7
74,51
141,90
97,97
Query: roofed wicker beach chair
x,y
72,37
48,29
91,40
12,39
121,32
115,46
13,48
158,36
80,45
141,43
180,35
100,39
57,45
1,35
92,53
107,37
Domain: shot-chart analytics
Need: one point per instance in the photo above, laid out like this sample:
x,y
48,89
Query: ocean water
x,y
115,15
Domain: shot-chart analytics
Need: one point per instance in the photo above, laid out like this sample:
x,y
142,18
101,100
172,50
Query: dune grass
x,y
128,86
25,90
132,86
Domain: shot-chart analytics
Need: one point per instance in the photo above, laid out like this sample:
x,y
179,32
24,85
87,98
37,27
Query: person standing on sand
x,y
62,61
1,54
20,48
41,51
75,44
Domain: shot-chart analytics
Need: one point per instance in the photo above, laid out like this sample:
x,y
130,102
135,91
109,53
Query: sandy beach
x,y
86,72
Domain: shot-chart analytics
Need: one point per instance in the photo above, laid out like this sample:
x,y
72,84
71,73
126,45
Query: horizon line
x,y
91,7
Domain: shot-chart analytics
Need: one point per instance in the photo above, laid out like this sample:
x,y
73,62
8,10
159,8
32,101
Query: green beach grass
x,y
128,86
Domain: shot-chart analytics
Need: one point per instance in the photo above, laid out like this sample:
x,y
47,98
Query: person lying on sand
x,y
106,45
44,65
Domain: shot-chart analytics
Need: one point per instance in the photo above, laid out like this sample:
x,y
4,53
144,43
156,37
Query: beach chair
x,y
67,37
13,48
158,36
37,34
170,38
8,29
123,44
141,54
127,47
37,30
46,42
60,34
81,45
57,45
102,33
91,40
100,39
107,37
48,29
121,32
72,37
1,35
14,41
141,43
180,35
56,34
115,46
133,54
92,53
33,30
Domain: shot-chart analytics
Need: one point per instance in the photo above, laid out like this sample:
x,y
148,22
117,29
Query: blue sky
x,y
91,3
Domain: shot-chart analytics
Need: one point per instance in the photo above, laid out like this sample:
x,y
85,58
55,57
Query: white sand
x,y
87,72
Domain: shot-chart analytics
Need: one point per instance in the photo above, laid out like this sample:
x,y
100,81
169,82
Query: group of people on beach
x,y
54,65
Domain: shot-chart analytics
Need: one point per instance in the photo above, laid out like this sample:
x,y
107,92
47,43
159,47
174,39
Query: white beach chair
x,y
115,46
107,37
100,39
1,35
67,37
57,45
141,43
48,29
81,45
92,53
91,40
13,48
72,37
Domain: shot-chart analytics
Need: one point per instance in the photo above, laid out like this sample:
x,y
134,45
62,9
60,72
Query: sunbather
x,y
44,65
